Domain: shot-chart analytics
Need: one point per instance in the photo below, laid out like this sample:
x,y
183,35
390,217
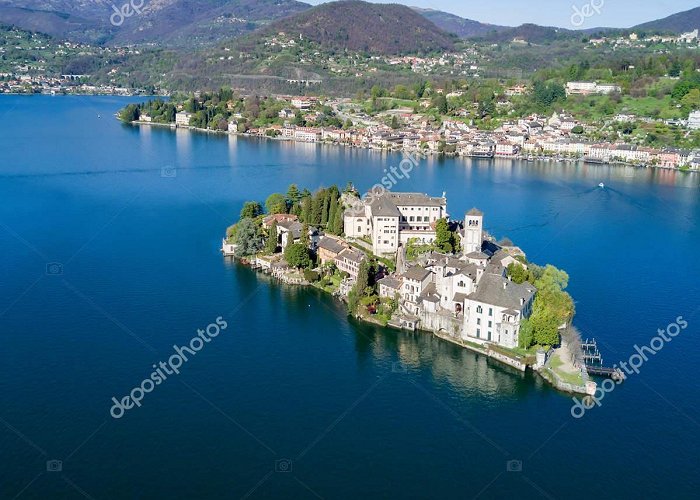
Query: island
x,y
399,260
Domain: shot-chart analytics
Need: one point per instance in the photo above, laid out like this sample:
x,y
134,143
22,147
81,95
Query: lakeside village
x,y
557,137
399,260
21,83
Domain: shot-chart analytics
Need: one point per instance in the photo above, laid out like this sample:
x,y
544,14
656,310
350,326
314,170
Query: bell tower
x,y
473,231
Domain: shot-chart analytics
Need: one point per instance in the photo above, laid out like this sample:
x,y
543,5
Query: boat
x,y
601,185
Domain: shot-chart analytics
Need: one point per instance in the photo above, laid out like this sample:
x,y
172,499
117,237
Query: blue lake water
x,y
110,236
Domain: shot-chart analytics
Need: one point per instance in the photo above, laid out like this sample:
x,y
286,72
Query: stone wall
x,y
437,322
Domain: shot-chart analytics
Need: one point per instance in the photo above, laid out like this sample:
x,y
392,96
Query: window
x,y
478,321
479,310
490,324
490,311
478,332
411,218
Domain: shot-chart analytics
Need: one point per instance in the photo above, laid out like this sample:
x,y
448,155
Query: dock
x,y
594,362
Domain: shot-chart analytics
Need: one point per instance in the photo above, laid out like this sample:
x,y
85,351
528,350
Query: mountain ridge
x,y
355,25
680,22
460,26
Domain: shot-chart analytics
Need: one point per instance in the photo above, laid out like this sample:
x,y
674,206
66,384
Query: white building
x,y
589,88
182,119
307,134
494,311
689,37
301,102
469,296
391,219
694,120
349,261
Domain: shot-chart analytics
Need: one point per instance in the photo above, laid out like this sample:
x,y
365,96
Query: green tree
x,y
517,273
526,337
271,242
353,300
247,238
325,210
130,113
337,223
440,103
304,238
444,239
691,101
251,209
419,89
545,327
276,203
316,208
293,194
362,281
305,209
297,255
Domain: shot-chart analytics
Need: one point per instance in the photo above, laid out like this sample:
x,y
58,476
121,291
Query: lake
x,y
110,237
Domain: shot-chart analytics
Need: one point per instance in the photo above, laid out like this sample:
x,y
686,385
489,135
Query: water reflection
x,y
467,372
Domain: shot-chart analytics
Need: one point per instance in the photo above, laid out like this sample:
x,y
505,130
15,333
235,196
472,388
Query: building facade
x,y
391,219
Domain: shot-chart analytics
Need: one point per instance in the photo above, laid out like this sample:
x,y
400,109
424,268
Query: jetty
x,y
594,362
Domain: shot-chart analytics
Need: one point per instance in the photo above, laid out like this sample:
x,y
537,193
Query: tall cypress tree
x,y
271,242
362,278
305,209
316,209
325,209
305,240
331,214
338,227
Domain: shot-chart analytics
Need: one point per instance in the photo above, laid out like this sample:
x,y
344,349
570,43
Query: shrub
x,y
311,276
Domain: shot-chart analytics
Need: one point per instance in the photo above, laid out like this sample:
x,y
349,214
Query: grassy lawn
x,y
556,365
331,288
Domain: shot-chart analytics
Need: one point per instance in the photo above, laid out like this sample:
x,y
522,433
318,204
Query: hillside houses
x,y
535,135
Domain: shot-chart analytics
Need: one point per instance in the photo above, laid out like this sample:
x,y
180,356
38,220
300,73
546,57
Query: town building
x,y
349,261
590,88
468,295
182,119
390,219
694,120
329,248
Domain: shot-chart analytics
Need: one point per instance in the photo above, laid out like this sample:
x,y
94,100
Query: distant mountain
x,y
532,33
677,23
170,22
463,28
354,25
58,24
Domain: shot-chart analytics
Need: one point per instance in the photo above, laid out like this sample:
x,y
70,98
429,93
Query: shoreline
x,y
513,360
520,157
